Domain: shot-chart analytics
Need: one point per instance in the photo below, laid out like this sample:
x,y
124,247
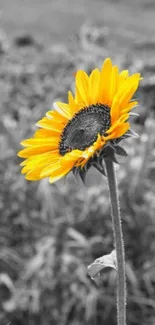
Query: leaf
x,y
131,133
82,174
100,263
120,151
100,168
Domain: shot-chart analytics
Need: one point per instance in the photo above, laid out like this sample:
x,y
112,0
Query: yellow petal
x,y
33,176
82,81
131,87
113,85
60,173
52,125
124,95
42,133
56,116
121,129
34,161
72,103
124,74
63,163
115,110
36,142
63,109
35,166
129,107
105,81
123,118
36,150
94,80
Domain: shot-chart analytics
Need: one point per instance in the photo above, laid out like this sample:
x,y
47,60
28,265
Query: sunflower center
x,y
82,131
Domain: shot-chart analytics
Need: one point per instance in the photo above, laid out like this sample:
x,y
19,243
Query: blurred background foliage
x,y
49,234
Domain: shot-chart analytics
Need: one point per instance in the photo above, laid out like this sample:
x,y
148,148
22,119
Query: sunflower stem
x,y
119,245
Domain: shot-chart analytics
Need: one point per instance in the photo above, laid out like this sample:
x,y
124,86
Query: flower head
x,y
87,129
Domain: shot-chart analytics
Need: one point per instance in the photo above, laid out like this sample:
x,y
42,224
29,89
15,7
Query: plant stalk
x,y
119,245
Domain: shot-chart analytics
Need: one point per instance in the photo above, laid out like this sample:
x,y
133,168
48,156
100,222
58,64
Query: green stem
x,y
118,237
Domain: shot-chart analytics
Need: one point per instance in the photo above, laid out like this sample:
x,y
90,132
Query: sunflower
x,y
78,134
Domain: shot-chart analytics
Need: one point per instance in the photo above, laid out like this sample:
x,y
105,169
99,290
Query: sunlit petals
x,y
35,166
63,164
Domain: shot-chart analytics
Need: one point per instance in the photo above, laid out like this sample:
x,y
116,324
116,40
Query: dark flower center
x,y
82,131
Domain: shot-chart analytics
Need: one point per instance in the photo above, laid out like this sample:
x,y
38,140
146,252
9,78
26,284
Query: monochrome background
x,y
49,234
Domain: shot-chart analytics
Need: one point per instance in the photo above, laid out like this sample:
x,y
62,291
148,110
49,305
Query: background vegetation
x,y
49,234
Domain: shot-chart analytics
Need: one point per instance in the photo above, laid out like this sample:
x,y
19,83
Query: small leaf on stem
x,y
100,263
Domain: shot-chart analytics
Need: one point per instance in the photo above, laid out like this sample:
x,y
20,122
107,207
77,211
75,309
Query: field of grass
x,y
49,234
